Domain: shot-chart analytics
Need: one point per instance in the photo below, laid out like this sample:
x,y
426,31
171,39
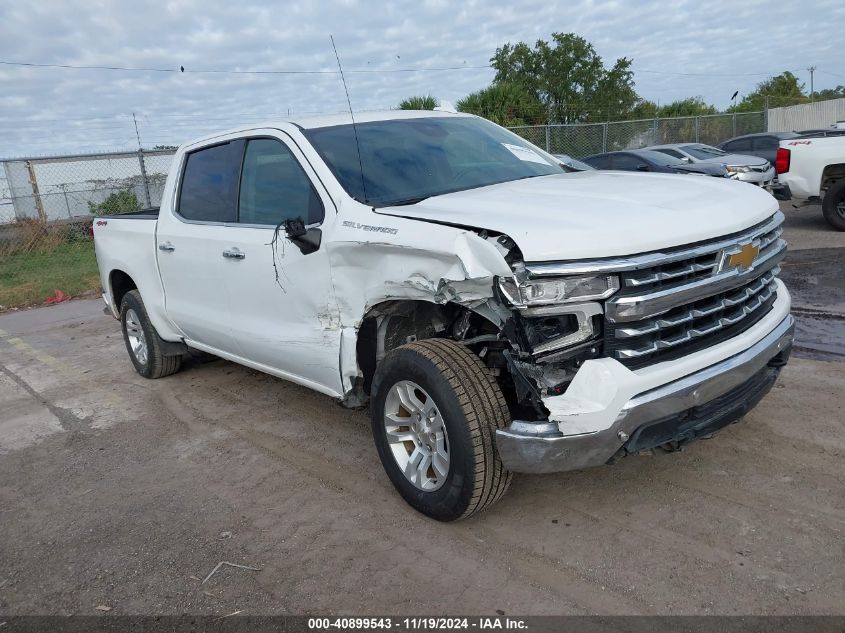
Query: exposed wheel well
x,y
120,283
394,323
831,175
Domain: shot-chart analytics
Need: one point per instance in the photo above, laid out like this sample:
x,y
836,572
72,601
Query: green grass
x,y
29,278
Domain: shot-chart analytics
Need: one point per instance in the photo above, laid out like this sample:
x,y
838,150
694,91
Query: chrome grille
x,y
675,308
678,301
687,323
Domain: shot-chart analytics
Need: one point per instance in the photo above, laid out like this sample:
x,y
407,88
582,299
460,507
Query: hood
x,y
712,169
735,159
600,213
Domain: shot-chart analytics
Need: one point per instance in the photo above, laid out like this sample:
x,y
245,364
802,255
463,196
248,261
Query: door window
x,y
602,161
210,183
274,187
766,143
739,145
626,162
670,152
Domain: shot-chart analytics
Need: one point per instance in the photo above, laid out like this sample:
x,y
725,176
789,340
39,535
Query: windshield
x,y
407,160
703,152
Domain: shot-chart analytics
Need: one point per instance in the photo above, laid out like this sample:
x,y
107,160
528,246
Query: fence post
x,y
654,136
147,200
39,207
697,125
734,125
604,137
548,138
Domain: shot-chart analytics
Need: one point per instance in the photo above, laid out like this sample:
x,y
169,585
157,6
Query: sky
x,y
388,50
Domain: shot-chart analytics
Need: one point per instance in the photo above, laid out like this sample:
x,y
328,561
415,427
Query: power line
x,y
683,74
223,71
183,70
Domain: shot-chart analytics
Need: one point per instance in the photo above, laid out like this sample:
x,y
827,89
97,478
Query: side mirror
x,y
686,159
308,240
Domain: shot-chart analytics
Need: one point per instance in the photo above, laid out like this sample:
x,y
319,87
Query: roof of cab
x,y
329,120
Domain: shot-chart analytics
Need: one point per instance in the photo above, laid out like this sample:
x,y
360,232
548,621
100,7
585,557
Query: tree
x,y
421,102
783,90
569,78
830,93
691,106
505,104
117,202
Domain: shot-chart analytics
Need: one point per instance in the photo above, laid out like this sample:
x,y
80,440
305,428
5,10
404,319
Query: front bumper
x,y
759,178
678,411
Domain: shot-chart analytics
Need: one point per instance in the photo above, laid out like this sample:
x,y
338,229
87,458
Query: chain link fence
x,y
582,139
46,208
47,203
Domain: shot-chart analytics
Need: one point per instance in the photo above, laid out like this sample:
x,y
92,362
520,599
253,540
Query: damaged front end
x,y
555,326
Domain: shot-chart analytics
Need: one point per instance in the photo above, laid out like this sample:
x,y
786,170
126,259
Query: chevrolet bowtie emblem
x,y
744,258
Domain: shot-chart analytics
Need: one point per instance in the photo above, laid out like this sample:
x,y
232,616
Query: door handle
x,y
166,247
234,253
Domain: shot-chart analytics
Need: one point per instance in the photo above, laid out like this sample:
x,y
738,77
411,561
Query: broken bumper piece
x,y
676,412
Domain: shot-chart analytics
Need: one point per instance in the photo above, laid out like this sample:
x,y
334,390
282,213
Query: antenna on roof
x,y
351,114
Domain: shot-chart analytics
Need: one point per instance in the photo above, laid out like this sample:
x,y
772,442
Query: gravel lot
x,y
125,493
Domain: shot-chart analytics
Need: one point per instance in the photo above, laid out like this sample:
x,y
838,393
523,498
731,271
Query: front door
x,y
284,315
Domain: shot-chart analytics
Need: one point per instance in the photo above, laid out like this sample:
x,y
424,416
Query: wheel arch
x,y
395,322
831,175
120,283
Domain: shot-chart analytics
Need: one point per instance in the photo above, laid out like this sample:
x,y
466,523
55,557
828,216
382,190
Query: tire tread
x,y
485,410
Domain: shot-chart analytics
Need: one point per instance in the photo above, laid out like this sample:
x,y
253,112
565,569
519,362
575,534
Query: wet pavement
x,y
815,280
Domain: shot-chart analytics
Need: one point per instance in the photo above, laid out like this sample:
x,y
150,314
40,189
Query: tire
x,y
468,408
833,206
142,341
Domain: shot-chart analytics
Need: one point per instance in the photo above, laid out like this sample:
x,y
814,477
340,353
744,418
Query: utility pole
x,y
147,200
812,69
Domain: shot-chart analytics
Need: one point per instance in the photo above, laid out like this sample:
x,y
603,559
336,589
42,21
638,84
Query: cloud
x,y
52,110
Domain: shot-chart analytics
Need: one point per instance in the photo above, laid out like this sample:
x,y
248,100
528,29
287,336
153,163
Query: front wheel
x,y
435,411
833,206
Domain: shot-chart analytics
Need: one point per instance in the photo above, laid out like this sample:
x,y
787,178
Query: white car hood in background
x,y
600,213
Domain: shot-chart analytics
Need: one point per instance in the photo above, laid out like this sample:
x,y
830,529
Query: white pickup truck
x,y
498,314
813,168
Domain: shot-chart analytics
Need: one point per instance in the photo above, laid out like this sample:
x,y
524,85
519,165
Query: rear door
x,y
284,315
191,235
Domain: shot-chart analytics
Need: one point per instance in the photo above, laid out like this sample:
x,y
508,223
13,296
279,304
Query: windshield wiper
x,y
406,201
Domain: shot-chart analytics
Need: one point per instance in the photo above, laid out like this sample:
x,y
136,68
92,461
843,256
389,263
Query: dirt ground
x,y
125,493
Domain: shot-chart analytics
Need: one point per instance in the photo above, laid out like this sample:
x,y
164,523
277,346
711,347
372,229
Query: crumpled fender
x,y
374,264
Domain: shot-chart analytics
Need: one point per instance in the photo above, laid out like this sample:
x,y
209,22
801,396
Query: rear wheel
x,y
833,206
142,340
435,411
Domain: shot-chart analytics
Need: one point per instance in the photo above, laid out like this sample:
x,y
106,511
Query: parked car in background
x,y
649,160
824,131
814,169
764,145
742,167
570,164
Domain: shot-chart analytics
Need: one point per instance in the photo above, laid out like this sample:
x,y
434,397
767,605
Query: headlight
x,y
539,292
738,169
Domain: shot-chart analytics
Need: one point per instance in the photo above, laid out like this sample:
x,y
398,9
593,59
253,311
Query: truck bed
x,y
150,213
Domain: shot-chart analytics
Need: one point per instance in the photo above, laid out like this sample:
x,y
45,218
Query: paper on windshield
x,y
523,153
